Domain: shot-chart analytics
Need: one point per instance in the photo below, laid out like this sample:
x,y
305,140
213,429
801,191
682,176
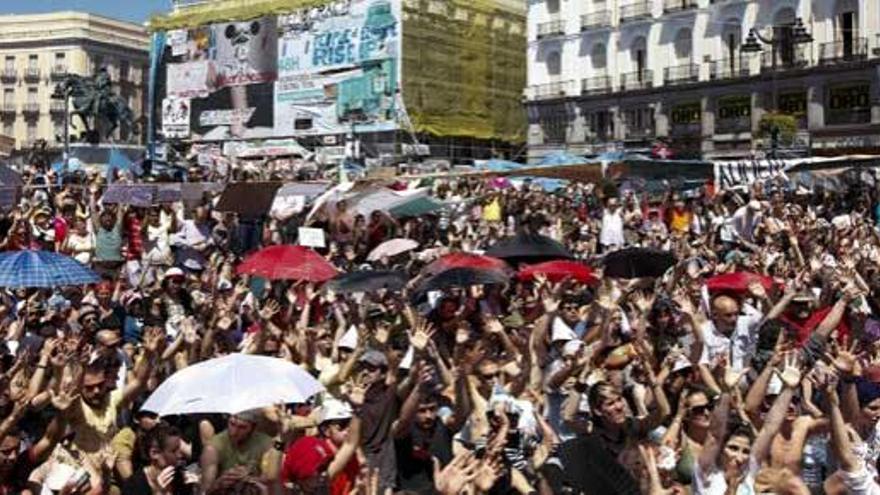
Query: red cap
x,y
305,458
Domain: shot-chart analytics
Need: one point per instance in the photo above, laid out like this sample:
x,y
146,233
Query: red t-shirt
x,y
342,484
805,327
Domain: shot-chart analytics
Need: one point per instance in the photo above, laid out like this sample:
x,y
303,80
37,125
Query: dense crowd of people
x,y
543,384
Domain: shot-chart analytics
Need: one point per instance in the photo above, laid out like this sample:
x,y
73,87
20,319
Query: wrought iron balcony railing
x,y
643,79
851,50
681,74
550,29
596,20
596,85
635,11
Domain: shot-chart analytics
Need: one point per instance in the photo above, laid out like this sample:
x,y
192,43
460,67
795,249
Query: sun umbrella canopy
x,y
738,282
465,260
392,248
528,248
21,269
556,271
416,207
285,262
463,277
638,262
232,384
367,281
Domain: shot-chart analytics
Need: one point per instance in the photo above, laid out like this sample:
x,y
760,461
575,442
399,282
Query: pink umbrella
x,y
392,248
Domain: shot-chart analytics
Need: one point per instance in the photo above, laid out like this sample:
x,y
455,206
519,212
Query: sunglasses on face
x,y
701,409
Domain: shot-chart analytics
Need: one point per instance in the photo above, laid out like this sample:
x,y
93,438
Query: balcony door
x,y
847,23
783,30
639,58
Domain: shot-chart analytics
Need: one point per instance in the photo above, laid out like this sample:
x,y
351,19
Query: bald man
x,y
730,332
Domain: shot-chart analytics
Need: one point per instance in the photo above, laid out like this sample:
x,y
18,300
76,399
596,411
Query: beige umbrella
x,y
392,248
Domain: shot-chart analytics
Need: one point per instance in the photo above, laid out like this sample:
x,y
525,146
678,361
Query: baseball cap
x,y
374,358
173,272
305,458
335,410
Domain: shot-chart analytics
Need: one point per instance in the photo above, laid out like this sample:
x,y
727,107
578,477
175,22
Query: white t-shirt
x,y
612,228
740,346
713,482
860,482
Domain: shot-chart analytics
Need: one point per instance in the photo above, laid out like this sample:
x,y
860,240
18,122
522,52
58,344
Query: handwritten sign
x,y
312,237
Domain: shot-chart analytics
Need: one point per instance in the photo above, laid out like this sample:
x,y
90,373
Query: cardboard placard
x,y
312,237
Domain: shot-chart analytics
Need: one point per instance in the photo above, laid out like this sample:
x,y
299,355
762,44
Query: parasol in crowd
x,y
738,282
392,248
286,262
367,281
638,262
464,260
529,248
462,277
232,384
559,270
27,268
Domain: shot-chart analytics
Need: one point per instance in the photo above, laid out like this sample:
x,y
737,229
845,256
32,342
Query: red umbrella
x,y
737,282
558,270
465,260
284,262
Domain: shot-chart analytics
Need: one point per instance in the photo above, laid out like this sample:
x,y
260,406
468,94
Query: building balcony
x,y
8,75
631,81
58,72
853,116
32,74
7,109
795,57
681,74
57,106
549,91
733,125
671,6
635,11
596,20
30,108
551,29
729,69
843,51
596,85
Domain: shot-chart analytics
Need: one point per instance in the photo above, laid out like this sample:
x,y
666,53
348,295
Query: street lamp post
x,y
63,93
753,44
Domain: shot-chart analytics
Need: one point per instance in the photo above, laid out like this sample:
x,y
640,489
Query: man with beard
x,y
93,417
423,433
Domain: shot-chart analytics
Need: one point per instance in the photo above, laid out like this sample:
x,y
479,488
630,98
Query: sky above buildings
x,y
129,10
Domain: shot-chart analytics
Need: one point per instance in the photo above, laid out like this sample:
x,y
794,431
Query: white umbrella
x,y
392,248
232,384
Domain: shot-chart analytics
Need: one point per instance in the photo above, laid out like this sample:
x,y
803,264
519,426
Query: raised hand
x,y
63,399
154,340
791,373
357,391
422,335
382,334
844,359
269,310
488,472
453,478
493,325
731,379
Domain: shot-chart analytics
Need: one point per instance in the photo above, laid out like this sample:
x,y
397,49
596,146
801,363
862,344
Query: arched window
x,y
554,63
599,57
683,46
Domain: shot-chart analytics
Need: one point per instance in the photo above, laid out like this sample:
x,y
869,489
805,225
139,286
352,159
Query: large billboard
x,y
227,73
338,68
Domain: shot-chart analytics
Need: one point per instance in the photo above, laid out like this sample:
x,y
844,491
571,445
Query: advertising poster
x,y
338,69
228,72
246,52
175,117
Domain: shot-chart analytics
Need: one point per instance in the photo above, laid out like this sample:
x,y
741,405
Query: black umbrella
x,y
637,262
528,248
463,277
367,281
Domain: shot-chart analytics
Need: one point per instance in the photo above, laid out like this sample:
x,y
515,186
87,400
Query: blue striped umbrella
x,y
22,269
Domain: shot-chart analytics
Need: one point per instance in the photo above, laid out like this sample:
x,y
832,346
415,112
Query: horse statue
x,y
97,106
